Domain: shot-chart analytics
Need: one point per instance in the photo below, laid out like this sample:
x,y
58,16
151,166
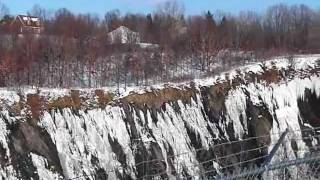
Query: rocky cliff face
x,y
164,133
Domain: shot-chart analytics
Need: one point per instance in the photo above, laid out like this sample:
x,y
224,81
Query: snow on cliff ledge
x,y
9,96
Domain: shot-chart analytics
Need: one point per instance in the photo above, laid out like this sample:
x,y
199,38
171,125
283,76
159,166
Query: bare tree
x,y
40,12
112,19
74,50
4,10
171,8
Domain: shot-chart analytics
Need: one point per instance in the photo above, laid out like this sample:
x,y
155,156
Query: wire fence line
x,y
253,171
276,166
213,159
246,139
232,142
226,170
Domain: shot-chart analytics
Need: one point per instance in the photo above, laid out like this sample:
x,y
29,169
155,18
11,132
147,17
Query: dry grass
x,y
35,104
271,76
60,103
73,101
157,98
77,101
17,108
103,98
221,89
154,99
217,94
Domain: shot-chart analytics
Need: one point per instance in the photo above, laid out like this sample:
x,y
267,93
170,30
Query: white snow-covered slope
x,y
127,140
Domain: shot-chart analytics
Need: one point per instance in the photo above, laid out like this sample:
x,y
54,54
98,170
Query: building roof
x,y
29,21
122,29
124,35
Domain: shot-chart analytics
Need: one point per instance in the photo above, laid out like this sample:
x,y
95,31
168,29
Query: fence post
x,y
266,163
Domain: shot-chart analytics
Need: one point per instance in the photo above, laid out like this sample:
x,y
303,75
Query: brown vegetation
x,y
271,76
73,101
157,98
17,108
36,105
103,98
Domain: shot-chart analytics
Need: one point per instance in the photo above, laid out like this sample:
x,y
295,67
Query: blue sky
x,y
99,7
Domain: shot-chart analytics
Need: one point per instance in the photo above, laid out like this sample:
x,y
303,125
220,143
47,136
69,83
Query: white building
x,y
27,24
123,35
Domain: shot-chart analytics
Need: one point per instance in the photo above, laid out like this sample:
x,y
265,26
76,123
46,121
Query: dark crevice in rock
x,y
130,123
3,157
153,114
210,131
150,161
203,155
122,176
117,149
101,174
26,138
193,136
141,157
170,158
24,167
260,122
158,163
309,107
214,110
176,107
94,160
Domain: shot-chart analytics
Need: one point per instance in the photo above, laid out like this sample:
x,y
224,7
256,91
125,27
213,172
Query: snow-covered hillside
x,y
162,131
